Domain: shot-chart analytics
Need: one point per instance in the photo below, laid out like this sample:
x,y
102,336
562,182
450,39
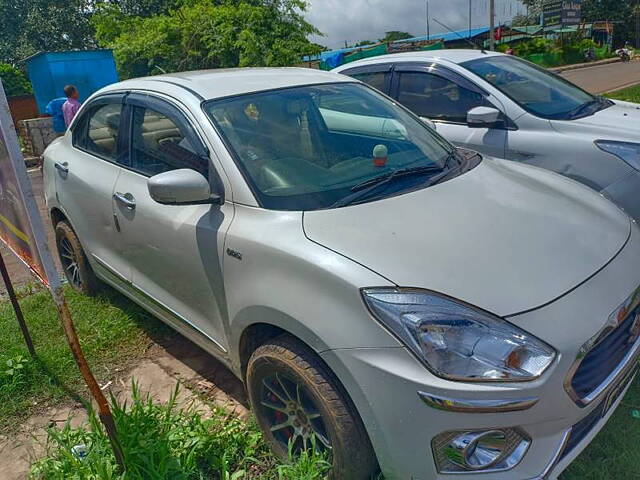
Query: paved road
x,y
605,78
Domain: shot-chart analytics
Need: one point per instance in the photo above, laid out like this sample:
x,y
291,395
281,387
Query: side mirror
x,y
429,123
181,187
485,117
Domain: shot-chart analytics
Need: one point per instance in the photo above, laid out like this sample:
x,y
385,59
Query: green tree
x,y
619,11
142,8
14,81
37,25
207,34
622,12
113,17
395,35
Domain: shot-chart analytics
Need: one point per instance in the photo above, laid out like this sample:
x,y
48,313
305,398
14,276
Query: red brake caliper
x,y
280,417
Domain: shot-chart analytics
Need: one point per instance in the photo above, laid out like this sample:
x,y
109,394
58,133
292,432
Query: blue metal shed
x,y
88,70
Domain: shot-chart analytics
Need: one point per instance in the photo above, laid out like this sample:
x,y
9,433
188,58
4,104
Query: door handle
x,y
63,167
126,199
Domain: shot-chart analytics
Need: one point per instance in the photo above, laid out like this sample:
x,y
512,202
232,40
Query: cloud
x,y
355,20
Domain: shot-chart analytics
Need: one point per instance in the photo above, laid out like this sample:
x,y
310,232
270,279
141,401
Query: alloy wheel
x,y
293,417
69,260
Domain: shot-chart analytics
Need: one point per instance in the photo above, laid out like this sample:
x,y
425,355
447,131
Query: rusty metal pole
x,y
104,412
39,260
16,307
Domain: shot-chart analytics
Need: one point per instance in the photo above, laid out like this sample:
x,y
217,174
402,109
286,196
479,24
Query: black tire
x,y
74,262
284,365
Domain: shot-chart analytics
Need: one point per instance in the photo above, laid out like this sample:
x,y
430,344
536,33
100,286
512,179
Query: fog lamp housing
x,y
473,451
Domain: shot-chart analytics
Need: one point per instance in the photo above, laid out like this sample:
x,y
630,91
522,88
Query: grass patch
x,y
631,94
112,330
168,442
614,453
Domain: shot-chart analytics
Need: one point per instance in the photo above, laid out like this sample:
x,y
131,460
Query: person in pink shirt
x,y
72,105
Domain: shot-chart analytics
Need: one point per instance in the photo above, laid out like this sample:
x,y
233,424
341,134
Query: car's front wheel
x,y
74,262
299,403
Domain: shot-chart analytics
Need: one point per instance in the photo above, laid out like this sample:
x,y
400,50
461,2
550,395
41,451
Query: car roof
x,y
211,84
452,55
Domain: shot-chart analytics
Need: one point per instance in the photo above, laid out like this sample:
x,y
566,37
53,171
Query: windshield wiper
x,y
403,172
596,102
361,190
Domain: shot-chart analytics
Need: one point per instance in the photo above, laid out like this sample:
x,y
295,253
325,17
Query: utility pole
x,y
470,19
428,22
492,25
638,24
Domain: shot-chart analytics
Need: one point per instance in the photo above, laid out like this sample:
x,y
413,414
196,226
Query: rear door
x,y
85,180
175,251
445,97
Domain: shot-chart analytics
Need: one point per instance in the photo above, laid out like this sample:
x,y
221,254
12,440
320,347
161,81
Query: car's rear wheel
x,y
299,402
74,262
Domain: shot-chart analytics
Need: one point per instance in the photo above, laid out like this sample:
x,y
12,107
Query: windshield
x,y
322,146
536,90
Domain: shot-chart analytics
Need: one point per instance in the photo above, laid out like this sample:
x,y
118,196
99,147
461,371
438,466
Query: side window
x,y
375,79
97,132
160,143
437,98
337,102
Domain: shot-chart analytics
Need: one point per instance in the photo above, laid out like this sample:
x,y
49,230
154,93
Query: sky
x,y
355,20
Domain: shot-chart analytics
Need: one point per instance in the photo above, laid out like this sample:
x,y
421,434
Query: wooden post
x,y
104,412
16,307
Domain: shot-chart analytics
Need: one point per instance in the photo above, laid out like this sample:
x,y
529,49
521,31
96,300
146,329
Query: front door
x,y
445,98
85,180
175,251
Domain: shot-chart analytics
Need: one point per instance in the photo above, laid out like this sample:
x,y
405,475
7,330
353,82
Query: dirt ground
x,y
204,381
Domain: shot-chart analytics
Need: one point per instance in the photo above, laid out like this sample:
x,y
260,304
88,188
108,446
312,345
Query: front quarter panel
x,y
274,275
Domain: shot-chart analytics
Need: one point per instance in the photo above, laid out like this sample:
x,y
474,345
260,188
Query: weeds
x,y
168,442
12,374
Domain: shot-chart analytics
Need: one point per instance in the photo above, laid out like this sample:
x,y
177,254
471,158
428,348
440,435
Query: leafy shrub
x,y
15,82
574,51
536,46
12,374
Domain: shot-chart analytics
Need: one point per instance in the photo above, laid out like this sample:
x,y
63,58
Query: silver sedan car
x,y
503,106
390,300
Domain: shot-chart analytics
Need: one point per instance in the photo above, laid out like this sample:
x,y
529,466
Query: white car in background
x,y
506,107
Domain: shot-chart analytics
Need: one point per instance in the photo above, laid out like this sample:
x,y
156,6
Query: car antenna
x,y
468,40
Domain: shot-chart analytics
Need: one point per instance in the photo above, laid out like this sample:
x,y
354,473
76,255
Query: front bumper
x,y
384,385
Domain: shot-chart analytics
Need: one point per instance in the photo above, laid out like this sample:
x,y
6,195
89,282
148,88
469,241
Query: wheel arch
x,y
257,325
57,215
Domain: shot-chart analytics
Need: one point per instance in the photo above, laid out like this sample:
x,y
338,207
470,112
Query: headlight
x,y
629,152
457,341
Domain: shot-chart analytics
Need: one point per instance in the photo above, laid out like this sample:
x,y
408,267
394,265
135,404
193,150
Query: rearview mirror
x,y
181,187
485,117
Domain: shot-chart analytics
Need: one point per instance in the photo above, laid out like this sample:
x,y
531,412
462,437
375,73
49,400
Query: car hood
x,y
618,122
504,236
